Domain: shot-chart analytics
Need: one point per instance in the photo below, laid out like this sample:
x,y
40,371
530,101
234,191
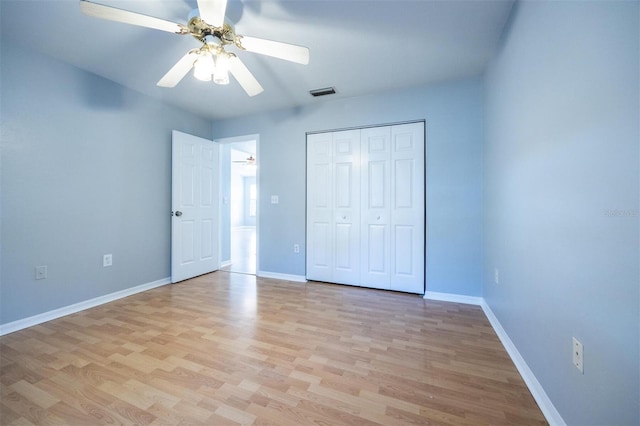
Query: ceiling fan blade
x,y
212,11
178,71
120,15
288,52
244,77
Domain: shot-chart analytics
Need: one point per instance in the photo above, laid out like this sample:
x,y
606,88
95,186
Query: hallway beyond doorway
x,y
243,250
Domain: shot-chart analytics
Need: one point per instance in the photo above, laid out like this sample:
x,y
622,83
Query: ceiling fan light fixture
x,y
203,67
221,73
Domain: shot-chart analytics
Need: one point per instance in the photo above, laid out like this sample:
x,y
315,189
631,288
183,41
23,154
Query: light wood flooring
x,y
227,349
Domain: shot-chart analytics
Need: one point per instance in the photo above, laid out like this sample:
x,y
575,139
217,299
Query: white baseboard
x,y
546,406
10,327
456,298
285,277
225,263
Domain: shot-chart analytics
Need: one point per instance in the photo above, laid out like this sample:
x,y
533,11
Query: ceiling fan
x,y
249,161
206,24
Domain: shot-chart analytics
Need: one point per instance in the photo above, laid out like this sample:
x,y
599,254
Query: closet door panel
x,y
377,266
344,186
320,220
407,208
404,256
375,207
320,257
346,269
346,207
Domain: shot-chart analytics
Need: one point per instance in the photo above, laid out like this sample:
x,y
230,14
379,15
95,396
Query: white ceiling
x,y
358,46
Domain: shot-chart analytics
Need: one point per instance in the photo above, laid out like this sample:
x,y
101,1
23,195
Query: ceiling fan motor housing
x,y
200,30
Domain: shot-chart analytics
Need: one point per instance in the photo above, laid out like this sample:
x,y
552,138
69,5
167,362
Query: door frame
x,y
245,138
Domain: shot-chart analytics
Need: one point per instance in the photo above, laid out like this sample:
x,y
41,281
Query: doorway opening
x,y
240,205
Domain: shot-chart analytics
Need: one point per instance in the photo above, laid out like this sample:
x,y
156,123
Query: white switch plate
x,y
41,272
296,248
107,260
496,275
578,355
274,199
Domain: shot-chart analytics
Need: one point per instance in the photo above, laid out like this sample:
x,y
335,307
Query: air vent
x,y
322,92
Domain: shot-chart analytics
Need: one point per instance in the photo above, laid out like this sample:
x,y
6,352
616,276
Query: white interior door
x,y
407,207
195,206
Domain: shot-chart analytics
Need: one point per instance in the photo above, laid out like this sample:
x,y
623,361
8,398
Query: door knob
x,y
178,213
378,217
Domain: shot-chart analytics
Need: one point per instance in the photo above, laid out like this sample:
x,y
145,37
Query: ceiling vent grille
x,y
322,92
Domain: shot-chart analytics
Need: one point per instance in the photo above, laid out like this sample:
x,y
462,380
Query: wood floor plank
x,y
227,348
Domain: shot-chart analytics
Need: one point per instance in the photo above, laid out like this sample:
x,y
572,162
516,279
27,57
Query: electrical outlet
x,y
107,260
496,275
274,199
296,248
578,353
41,272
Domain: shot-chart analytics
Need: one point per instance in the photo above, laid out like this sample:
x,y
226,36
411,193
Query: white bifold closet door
x,y
333,206
365,207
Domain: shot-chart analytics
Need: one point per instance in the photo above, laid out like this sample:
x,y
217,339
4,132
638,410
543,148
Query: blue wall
x,y
561,190
86,171
103,152
453,112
